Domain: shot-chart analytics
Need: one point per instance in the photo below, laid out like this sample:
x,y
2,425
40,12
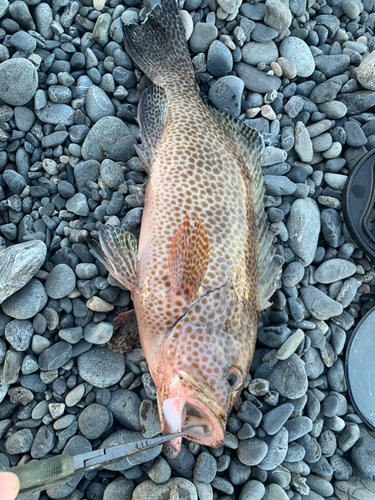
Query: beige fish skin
x,y
205,265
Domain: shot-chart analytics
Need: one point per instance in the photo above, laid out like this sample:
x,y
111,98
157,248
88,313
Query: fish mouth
x,y
192,417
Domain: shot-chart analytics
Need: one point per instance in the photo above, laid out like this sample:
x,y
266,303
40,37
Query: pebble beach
x,y
302,73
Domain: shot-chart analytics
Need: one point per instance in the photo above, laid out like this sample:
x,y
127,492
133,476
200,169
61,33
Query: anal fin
x,y
126,336
188,260
117,251
152,117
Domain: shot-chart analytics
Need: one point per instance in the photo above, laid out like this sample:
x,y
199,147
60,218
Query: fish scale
x,y
205,265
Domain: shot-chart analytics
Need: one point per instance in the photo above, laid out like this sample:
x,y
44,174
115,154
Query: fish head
x,y
202,376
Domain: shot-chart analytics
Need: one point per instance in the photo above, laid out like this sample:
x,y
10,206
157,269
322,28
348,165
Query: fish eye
x,y
234,378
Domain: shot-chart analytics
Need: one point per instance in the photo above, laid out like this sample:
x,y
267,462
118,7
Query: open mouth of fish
x,y
191,417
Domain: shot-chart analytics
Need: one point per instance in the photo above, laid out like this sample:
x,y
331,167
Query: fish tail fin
x,y
158,45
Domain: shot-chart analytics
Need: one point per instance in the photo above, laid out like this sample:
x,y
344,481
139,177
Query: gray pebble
x,y
18,81
205,468
219,59
355,136
19,442
255,53
27,302
112,174
255,80
298,427
226,94
55,357
98,333
44,441
178,486
86,171
98,104
160,471
302,143
54,114
78,205
203,35
125,407
18,333
332,227
273,156
320,305
294,106
252,490
277,449
120,488
93,421
297,51
304,227
273,420
334,270
18,264
251,451
92,367
289,378
109,138
23,41
60,282
277,185
355,488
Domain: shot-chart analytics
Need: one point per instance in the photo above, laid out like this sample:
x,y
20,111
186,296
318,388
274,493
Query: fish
x,y
205,264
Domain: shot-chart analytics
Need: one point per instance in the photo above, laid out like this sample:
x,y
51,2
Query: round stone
x,y
351,9
289,378
251,451
18,333
18,81
320,305
176,487
101,367
27,302
19,442
203,35
109,138
111,174
366,71
98,104
78,205
219,59
93,421
297,52
56,356
255,53
18,264
23,41
60,282
120,488
304,228
226,94
98,333
125,405
334,270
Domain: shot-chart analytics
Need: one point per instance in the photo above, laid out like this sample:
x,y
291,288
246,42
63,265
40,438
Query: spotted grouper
x,y
205,264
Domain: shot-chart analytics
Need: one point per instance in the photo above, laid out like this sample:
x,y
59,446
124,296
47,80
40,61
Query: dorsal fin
x,y
152,117
250,144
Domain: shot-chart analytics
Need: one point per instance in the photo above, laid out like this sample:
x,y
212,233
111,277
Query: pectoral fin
x,y
188,260
117,251
126,336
